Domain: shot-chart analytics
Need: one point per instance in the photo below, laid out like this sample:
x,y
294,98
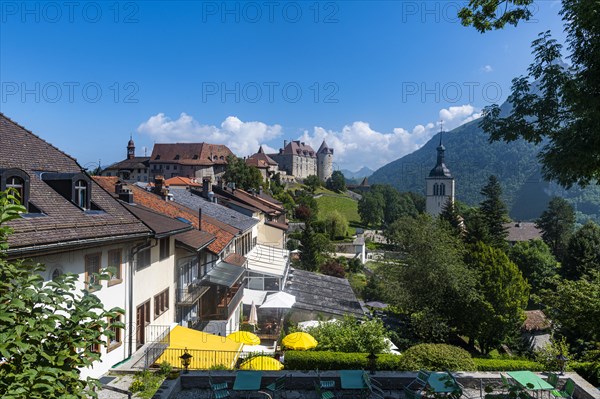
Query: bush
x,y
437,357
588,370
333,268
310,360
507,365
165,368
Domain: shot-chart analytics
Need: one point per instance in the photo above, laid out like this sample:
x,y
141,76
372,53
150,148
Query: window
x,y
436,189
174,167
116,340
56,273
161,303
168,167
81,194
115,260
165,248
18,184
144,258
92,267
442,189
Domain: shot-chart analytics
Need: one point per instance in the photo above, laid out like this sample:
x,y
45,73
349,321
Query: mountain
x,y
362,173
471,159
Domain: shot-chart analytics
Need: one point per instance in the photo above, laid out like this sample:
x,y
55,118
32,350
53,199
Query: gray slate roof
x,y
219,212
320,293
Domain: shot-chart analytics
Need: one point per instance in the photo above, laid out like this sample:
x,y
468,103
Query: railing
x,y
190,294
159,339
227,309
207,359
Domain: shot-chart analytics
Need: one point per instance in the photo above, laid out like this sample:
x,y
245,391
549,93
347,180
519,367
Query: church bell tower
x,y
439,185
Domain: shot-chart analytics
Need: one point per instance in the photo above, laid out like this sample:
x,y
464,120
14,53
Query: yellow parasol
x,y
261,363
244,337
299,341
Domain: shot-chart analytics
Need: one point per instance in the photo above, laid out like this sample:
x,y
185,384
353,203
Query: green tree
x,y
307,205
336,225
287,200
554,104
451,216
503,295
574,306
370,209
429,281
583,252
47,330
244,176
337,182
312,182
314,248
476,227
557,224
494,212
536,262
350,335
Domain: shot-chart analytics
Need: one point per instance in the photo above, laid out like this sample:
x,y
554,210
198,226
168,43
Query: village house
x,y
132,169
73,226
193,160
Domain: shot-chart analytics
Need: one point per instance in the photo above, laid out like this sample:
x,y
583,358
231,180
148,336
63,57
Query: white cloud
x,y
487,69
355,145
243,138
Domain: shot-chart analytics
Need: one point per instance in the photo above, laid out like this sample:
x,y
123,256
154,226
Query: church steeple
x,y
440,169
130,148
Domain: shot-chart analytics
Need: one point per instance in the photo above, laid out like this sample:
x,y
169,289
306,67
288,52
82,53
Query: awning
x,y
268,260
224,274
279,300
208,350
256,296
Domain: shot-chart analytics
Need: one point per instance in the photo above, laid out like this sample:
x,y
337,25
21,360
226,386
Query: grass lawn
x,y
338,202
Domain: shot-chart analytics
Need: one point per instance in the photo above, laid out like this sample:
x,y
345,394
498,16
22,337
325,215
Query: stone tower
x,y
130,148
324,162
439,184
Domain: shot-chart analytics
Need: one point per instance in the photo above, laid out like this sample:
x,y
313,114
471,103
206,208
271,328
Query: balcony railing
x,y
189,295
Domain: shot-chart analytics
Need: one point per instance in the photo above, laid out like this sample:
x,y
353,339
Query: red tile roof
x,y
190,154
182,181
235,259
172,209
260,159
297,147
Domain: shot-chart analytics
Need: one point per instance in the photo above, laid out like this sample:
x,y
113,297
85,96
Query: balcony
x,y
190,294
230,302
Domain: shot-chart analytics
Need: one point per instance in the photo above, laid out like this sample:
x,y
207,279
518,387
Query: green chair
x,y
219,390
277,387
553,379
323,394
566,392
325,384
420,382
373,387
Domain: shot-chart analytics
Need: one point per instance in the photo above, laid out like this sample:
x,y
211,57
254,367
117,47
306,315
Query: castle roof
x,y
296,147
324,149
191,154
133,163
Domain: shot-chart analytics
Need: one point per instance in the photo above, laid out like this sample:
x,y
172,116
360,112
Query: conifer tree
x,y
494,212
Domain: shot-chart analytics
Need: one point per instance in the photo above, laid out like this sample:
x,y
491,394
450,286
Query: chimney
x,y
199,218
260,190
285,143
205,187
233,186
124,193
220,183
159,186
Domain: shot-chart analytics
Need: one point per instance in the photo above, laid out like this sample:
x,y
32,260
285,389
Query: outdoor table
x,y
530,381
247,381
441,382
352,380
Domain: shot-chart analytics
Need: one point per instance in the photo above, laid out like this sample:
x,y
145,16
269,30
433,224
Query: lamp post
x,y
562,362
186,359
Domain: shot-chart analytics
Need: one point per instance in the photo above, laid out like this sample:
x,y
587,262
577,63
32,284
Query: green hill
x,y
330,201
472,159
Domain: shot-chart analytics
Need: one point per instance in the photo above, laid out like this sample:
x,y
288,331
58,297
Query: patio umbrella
x,y
279,300
299,341
244,337
261,363
253,318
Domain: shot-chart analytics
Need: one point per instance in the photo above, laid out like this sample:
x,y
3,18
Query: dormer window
x,y
75,187
157,156
176,157
18,180
195,156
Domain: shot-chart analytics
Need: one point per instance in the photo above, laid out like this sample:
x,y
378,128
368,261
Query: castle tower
x,y
130,148
324,161
439,185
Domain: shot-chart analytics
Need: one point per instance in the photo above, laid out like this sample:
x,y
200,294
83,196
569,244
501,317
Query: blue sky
x,y
372,78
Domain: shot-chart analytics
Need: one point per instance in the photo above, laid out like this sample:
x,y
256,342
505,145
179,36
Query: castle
x,y
300,160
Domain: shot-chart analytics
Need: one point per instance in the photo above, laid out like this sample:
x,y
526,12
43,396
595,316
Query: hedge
x,y
507,365
588,370
310,360
437,357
